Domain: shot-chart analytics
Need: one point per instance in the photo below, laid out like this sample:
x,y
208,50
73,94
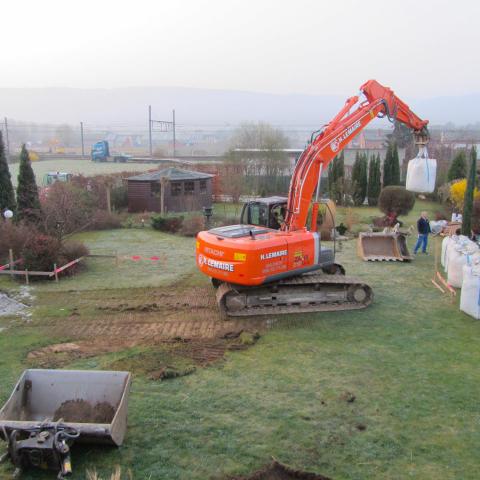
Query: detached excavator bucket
x,y
383,247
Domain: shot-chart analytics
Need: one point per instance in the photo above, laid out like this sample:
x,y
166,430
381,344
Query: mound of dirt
x,y
278,471
81,411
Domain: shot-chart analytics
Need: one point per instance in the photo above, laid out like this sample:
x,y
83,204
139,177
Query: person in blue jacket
x,y
423,227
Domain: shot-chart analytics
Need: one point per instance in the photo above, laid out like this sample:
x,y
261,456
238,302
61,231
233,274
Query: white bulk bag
x,y
421,173
470,295
437,226
456,261
445,242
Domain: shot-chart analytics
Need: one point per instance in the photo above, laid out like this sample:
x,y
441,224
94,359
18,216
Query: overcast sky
x,y
419,48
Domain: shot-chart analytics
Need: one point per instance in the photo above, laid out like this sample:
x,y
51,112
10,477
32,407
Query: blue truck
x,y
101,153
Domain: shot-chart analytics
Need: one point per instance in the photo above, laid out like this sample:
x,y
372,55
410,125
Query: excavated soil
x,y
175,331
81,411
278,471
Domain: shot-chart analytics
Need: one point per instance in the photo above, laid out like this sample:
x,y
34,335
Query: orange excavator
x,y
260,270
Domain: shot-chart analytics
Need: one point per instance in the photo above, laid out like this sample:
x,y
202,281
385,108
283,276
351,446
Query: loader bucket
x,y
93,402
381,247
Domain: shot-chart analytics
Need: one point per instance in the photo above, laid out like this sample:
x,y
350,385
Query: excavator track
x,y
305,293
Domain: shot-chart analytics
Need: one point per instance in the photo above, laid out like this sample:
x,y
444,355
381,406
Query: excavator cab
x,y
265,212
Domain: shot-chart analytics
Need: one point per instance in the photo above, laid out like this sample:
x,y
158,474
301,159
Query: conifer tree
x,y
395,165
387,167
7,195
359,179
336,179
458,168
27,193
469,193
391,166
374,180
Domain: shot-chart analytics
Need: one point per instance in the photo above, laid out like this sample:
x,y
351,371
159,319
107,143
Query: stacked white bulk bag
x,y
456,261
470,295
459,256
445,242
460,241
421,172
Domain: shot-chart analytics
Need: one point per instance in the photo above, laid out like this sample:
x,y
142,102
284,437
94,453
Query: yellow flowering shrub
x,y
457,192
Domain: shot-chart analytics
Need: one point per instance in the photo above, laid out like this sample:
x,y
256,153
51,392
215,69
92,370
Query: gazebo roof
x,y
171,174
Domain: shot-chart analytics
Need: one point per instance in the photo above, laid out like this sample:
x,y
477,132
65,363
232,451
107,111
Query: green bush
x,y
396,200
167,223
192,225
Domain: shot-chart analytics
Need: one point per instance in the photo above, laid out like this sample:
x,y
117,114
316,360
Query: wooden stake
x,y
55,271
109,204
10,257
26,276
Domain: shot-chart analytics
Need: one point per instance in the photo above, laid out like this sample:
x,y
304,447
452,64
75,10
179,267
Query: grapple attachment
x,y
383,247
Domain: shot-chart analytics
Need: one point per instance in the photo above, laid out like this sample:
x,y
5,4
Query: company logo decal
x,y
278,253
209,262
335,144
214,251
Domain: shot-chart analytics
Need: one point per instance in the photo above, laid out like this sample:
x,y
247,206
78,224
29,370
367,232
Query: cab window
x,y
258,214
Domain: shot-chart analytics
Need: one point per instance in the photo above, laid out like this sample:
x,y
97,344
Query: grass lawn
x,y
85,167
410,360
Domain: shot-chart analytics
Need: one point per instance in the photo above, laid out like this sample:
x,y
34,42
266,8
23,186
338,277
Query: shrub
x,y
41,252
103,220
192,225
170,224
395,201
457,193
14,237
72,250
67,208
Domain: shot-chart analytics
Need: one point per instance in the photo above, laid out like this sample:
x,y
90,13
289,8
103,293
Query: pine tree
x,y
387,167
356,172
7,195
336,179
359,179
458,168
469,193
374,180
395,165
391,166
27,192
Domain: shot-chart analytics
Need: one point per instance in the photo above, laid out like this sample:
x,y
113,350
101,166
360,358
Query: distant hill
x,y
201,106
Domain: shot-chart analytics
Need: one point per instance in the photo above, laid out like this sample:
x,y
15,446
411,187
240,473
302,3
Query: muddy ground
x,y
278,471
160,333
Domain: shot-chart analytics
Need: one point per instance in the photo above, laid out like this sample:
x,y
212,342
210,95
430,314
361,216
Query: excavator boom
x,y
379,101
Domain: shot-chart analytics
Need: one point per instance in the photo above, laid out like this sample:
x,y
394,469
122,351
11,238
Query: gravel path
x,y
9,306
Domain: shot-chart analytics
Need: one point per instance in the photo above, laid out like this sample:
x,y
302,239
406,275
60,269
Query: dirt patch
x,y
278,471
159,359
81,411
60,354
179,357
348,397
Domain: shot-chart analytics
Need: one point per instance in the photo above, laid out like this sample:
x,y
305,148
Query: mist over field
x,y
198,106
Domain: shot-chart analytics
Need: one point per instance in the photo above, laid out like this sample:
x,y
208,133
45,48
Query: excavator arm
x,y
325,144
